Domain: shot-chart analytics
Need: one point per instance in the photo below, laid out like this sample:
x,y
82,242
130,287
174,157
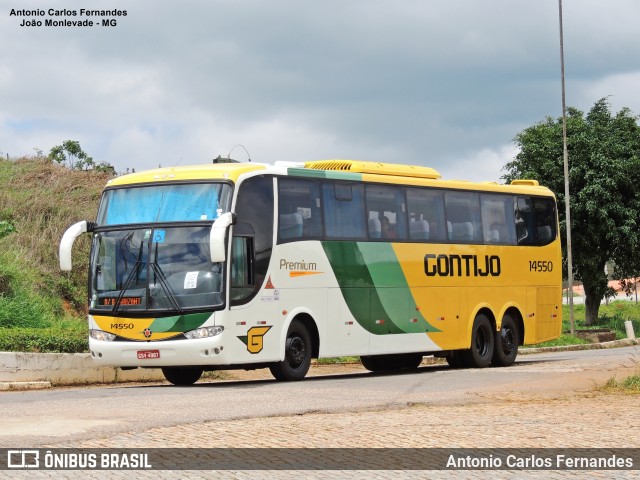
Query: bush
x,y
43,340
20,305
6,228
24,312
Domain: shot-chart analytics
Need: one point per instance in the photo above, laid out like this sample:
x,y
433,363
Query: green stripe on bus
x,y
374,287
329,174
179,323
392,288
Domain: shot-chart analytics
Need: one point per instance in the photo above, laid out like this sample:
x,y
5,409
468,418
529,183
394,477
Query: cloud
x,y
441,83
483,166
621,89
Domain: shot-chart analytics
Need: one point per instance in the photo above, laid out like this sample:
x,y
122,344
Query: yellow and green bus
x,y
246,265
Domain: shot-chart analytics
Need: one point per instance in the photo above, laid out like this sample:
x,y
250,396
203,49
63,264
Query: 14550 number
x,y
540,266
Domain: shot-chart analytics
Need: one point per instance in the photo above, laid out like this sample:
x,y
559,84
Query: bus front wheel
x,y
182,376
297,355
482,343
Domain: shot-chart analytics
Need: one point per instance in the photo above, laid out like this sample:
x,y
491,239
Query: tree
x,y
604,182
105,167
71,155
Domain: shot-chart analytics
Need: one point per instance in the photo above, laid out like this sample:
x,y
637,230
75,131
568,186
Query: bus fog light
x,y
100,335
204,332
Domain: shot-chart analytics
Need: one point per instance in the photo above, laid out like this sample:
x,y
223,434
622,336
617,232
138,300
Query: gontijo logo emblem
x,y
254,340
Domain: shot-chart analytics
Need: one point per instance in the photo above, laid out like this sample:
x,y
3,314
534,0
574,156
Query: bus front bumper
x,y
168,353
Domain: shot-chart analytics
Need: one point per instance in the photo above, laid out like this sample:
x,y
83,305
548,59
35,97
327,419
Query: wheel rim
x,y
508,340
296,351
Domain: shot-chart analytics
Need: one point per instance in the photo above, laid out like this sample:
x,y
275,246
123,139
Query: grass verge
x,y
630,385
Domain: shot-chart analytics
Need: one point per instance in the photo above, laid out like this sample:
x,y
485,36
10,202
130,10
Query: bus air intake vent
x,y
374,168
530,183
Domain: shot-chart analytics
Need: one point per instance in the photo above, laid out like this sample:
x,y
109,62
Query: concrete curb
x,y
17,368
4,386
29,371
626,342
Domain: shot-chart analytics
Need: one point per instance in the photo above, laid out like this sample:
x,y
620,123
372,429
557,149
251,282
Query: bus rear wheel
x,y
182,376
371,363
507,340
482,343
297,355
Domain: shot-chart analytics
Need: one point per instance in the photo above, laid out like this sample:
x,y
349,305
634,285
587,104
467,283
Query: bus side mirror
x,y
218,232
73,232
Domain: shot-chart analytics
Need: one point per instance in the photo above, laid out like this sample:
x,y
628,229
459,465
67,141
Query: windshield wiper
x,y
135,269
166,288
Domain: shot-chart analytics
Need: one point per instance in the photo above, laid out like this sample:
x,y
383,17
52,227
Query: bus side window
x,y
545,216
386,212
299,213
426,215
497,219
343,209
523,213
463,216
254,210
242,281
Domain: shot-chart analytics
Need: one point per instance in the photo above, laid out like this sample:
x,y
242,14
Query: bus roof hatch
x,y
531,183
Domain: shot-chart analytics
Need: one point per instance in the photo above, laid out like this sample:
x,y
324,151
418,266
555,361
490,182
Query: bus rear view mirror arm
x,y
69,237
218,232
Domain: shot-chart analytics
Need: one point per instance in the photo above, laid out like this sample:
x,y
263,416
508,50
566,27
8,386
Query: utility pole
x,y
566,180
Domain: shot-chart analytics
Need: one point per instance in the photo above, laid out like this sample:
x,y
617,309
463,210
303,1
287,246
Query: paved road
x,y
164,415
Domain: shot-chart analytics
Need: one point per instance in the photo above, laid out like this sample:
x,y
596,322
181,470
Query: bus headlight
x,y
204,332
100,335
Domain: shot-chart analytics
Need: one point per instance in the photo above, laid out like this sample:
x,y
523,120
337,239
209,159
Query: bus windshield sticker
x,y
270,296
191,280
158,236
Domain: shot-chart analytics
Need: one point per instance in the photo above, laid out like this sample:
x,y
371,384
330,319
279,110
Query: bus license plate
x,y
147,354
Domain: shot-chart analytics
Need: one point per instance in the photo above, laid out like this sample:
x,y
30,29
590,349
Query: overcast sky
x,y
441,83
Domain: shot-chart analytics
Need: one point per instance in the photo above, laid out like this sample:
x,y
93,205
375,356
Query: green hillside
x,y
39,200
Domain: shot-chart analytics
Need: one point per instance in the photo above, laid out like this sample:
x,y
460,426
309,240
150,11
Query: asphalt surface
x,y
550,400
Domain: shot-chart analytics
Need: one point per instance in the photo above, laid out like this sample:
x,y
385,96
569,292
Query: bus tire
x,y
182,376
455,359
506,343
482,342
411,361
370,362
297,355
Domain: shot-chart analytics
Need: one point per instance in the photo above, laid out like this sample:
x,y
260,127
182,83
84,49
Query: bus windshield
x,y
164,203
149,262
151,269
